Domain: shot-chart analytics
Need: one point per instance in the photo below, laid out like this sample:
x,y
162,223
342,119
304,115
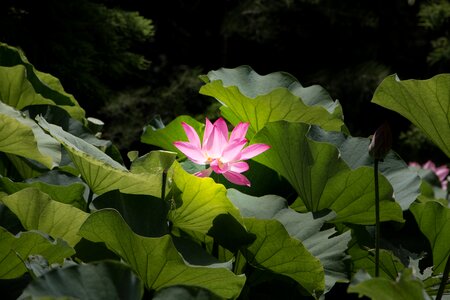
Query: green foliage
x,y
435,16
423,102
97,41
69,204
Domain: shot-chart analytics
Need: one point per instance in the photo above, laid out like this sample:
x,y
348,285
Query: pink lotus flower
x,y
441,172
224,155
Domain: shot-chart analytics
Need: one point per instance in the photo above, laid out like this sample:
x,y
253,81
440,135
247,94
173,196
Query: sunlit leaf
x,y
102,280
14,250
321,178
36,210
16,90
44,84
434,221
406,287
277,96
426,103
21,136
156,260
199,202
70,194
164,137
100,171
276,251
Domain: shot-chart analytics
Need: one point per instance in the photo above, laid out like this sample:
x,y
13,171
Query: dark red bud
x,y
381,142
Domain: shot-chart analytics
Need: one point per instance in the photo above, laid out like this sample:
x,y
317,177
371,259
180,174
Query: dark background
x,y
127,61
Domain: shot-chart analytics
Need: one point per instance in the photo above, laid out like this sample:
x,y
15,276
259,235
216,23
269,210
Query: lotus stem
x,y
163,188
377,220
89,200
444,280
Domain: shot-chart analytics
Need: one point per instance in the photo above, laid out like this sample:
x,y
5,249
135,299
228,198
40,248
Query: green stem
x,y
236,267
377,221
444,280
163,188
89,200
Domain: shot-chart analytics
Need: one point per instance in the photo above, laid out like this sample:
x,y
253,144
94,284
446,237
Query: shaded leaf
x,y
15,250
406,287
156,260
185,293
103,280
328,247
354,151
434,221
146,215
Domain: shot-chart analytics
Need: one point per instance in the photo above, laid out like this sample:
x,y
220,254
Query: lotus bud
x,y
381,142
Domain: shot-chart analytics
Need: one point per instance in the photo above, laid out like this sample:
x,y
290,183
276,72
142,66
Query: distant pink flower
x,y
441,172
224,155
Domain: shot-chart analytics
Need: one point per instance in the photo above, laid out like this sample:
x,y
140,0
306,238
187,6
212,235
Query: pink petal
x,y
215,144
239,167
253,150
414,164
204,173
219,167
442,172
191,151
233,150
236,178
191,135
208,130
239,132
429,165
222,127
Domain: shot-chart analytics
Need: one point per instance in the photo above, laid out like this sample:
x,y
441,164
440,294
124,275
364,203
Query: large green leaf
x,y
426,103
70,194
434,221
354,151
328,247
15,250
258,99
21,136
390,265
103,280
156,260
406,287
278,252
44,84
16,90
199,202
36,210
321,178
100,171
164,137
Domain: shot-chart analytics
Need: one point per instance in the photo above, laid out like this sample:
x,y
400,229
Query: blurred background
x,y
128,61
